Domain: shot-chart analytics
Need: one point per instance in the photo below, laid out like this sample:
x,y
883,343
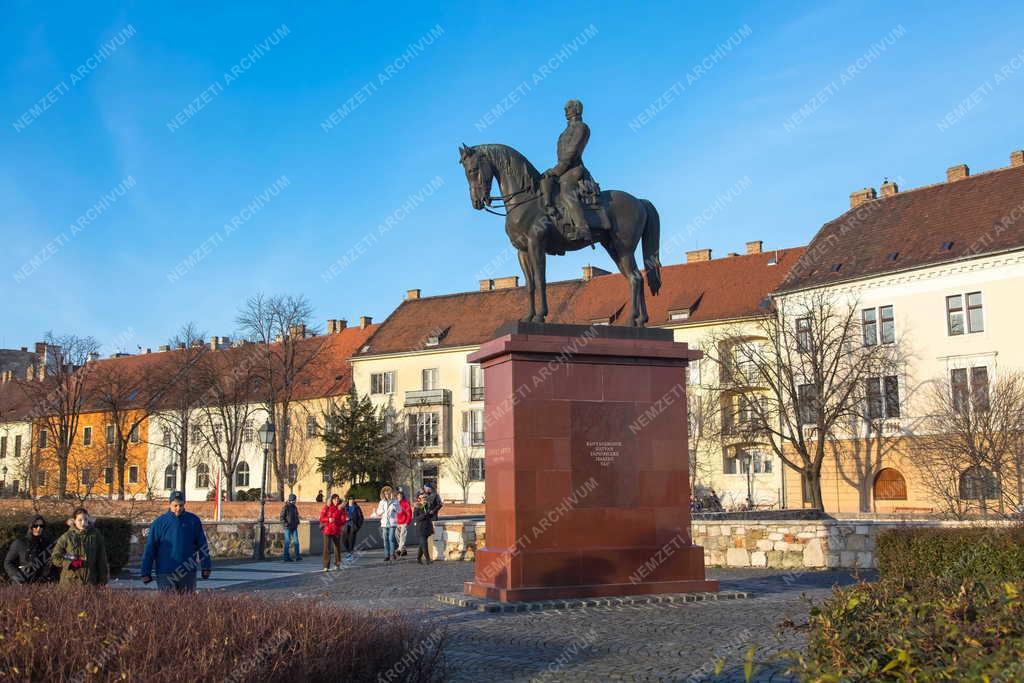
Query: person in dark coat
x,y
353,522
422,517
290,520
320,496
432,500
28,558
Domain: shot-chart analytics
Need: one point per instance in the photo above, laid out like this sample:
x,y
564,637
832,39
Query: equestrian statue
x,y
563,210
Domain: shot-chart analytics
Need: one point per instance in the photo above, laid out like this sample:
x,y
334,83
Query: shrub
x,y
899,631
51,634
117,534
969,554
368,490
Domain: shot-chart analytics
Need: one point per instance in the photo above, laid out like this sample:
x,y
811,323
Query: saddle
x,y
595,210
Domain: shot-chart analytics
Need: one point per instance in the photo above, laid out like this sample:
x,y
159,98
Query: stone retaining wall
x,y
774,544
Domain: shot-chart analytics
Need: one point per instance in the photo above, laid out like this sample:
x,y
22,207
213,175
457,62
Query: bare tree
x,y
459,467
791,379
57,391
128,395
702,433
306,431
223,419
281,328
971,446
182,389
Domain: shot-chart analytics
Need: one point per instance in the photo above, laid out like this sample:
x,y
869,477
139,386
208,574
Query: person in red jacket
x,y
332,519
402,519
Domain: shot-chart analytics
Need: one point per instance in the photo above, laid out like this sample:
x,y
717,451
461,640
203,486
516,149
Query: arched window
x,y
242,474
890,485
169,478
202,476
977,483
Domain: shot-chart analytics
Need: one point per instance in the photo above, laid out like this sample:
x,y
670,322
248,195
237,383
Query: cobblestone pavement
x,y
663,642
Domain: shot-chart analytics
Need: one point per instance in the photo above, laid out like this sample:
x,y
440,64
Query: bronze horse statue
x,y
633,221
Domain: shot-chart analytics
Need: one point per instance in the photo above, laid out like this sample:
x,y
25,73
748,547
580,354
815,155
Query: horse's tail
x,y
651,245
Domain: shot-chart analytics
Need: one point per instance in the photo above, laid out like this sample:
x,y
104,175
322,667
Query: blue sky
x,y
880,85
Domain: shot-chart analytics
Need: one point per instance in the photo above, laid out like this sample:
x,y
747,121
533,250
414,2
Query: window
x,y
195,434
3,446
803,335
473,426
167,437
694,371
875,320
248,433
17,445
476,469
87,436
476,382
977,483
133,435
883,397
424,429
169,478
807,399
202,476
218,433
133,474
293,473
109,434
311,426
681,314
969,384
41,478
86,476
429,475
956,322
42,438
108,476
429,379
382,382
389,420
242,474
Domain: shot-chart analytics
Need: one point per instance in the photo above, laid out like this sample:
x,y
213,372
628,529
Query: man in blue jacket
x,y
177,545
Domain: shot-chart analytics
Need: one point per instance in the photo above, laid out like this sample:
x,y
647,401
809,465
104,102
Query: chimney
x,y
1017,158
298,331
41,360
411,294
698,255
754,247
365,321
336,326
860,196
957,173
590,272
889,188
214,343
181,346
93,357
164,347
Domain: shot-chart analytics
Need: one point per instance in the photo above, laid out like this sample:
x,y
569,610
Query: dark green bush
x,y
935,630
101,634
117,534
369,490
966,554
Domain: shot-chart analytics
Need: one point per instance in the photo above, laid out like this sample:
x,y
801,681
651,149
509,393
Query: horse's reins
x,y
504,200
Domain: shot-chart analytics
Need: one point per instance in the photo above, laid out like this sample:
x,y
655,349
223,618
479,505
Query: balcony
x,y
476,393
428,397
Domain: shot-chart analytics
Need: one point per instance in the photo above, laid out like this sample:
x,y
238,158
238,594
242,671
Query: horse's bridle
x,y
504,200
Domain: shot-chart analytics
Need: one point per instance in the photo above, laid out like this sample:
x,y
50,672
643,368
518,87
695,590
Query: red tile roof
x,y
719,289
981,214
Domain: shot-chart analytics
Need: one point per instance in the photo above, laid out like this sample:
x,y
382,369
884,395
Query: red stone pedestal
x,y
587,470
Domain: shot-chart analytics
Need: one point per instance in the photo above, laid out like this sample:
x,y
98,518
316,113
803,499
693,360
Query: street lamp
x,y
266,433
3,483
748,458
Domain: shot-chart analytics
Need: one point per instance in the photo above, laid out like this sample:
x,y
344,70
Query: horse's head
x,y
479,173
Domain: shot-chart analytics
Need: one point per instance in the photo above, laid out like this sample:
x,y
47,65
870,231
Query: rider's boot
x,y
579,222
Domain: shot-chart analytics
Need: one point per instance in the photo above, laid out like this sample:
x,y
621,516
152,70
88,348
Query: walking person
x,y
353,523
422,517
81,553
387,512
28,558
290,521
176,549
332,519
432,500
402,521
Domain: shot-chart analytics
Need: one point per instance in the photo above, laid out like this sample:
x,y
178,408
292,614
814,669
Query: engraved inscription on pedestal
x,y
604,449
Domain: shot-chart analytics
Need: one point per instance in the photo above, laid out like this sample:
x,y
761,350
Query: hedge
x,y
117,533
50,633
938,630
963,554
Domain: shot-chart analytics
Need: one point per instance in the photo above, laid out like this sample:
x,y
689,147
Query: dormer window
x,y
601,321
947,246
836,267
773,259
679,314
433,341
893,255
